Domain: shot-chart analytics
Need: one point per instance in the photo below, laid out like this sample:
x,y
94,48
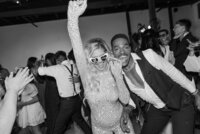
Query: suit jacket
x,y
181,52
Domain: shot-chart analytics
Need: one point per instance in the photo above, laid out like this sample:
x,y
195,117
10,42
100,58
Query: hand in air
x,y
193,44
19,81
76,8
115,67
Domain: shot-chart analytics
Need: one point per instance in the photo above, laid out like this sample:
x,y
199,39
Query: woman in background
x,y
31,113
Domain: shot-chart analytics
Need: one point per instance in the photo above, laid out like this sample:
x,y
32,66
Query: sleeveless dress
x,y
33,114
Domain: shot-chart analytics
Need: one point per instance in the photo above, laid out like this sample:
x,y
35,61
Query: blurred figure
x,y
14,86
3,74
192,63
60,57
33,64
150,40
31,113
52,98
70,102
2,92
179,44
165,44
137,40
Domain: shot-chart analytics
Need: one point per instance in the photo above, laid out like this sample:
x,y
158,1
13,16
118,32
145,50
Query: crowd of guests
x,y
105,90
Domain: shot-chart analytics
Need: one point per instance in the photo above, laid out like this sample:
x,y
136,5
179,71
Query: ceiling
x,y
14,12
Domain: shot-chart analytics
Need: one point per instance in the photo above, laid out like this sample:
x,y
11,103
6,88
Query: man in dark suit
x,y
158,82
180,43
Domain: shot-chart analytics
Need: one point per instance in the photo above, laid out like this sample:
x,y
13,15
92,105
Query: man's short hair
x,y
185,22
117,36
163,30
61,53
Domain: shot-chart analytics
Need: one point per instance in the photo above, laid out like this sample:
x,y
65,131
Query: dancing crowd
x,y
144,85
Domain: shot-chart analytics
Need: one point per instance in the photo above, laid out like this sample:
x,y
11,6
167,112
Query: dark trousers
x,y
70,108
52,103
156,120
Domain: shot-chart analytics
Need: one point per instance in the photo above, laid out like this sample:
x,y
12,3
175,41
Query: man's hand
x,y
18,82
124,121
193,44
76,8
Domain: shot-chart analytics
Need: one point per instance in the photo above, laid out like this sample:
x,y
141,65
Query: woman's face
x,y
99,59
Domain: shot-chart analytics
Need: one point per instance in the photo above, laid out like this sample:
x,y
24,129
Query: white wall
x,y
142,17
19,42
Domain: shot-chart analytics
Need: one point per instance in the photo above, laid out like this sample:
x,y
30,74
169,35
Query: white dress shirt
x,y
159,63
62,75
192,64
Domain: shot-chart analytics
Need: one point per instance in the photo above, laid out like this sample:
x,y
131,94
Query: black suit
x,y
181,52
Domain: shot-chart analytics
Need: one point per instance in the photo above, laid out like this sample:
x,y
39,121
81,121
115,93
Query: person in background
x,y
192,62
164,38
150,41
52,98
3,74
2,92
70,101
8,106
32,64
137,40
77,81
179,44
158,82
30,113
60,57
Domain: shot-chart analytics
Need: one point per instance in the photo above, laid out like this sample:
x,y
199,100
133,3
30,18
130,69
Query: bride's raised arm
x,y
75,9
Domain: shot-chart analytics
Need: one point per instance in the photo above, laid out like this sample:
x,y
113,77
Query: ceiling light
x,y
18,2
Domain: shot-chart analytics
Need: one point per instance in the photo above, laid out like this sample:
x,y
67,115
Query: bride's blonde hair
x,y
90,47
96,43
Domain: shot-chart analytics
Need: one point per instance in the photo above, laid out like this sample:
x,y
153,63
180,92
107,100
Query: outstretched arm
x,y
75,9
160,63
14,85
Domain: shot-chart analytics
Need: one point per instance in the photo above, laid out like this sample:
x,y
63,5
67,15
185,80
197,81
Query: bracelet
x,y
195,92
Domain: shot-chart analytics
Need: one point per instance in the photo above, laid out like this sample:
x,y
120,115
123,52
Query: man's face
x,y
60,59
122,50
179,29
164,38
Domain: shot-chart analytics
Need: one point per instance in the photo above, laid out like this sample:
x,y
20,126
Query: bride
x,y
101,75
